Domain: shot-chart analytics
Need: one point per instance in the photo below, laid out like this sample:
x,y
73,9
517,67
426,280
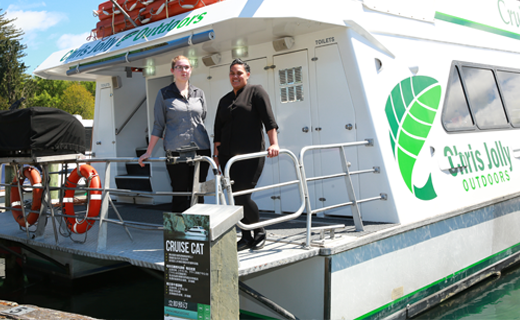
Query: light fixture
x,y
194,62
149,69
211,60
239,52
283,43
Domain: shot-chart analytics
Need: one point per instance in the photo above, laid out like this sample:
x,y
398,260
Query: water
x,y
494,298
128,293
132,293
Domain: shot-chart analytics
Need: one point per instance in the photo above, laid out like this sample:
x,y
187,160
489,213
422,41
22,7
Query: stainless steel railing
x,y
228,187
219,185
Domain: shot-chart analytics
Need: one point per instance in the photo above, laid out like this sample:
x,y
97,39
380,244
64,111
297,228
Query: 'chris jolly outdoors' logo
x,y
410,110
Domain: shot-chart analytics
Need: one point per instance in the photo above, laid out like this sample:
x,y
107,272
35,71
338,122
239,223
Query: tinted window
x,y
510,88
483,98
456,114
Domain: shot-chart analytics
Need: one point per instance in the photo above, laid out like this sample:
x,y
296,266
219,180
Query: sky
x,y
50,25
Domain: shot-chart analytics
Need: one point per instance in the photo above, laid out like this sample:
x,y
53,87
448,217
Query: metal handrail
x,y
103,216
227,185
350,188
118,131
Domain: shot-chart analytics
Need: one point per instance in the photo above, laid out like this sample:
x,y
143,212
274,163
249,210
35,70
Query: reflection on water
x,y
128,293
495,298
132,293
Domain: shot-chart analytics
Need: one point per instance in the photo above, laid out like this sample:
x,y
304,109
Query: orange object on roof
x,y
113,21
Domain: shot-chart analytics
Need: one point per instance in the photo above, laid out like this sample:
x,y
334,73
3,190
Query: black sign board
x,y
186,266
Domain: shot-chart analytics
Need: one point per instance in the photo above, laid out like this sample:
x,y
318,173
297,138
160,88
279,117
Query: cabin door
x,y
219,86
293,114
103,136
335,123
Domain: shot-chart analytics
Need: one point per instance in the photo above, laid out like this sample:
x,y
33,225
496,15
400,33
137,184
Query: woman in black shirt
x,y
238,130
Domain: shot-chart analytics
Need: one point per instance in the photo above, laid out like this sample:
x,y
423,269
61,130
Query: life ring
x,y
35,178
74,224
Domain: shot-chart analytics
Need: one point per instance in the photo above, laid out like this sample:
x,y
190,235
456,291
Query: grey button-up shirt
x,y
178,120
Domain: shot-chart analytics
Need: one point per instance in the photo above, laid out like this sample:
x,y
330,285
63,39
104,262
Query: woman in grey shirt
x,y
179,111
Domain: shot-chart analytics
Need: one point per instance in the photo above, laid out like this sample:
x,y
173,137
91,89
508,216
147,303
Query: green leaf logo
x,y
410,110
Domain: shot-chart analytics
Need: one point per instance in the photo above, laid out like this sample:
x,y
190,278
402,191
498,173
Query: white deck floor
x,y
146,249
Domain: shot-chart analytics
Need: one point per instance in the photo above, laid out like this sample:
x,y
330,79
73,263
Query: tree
x,y
77,99
14,82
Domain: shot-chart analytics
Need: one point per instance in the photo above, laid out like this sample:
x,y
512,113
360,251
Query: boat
x,y
396,187
112,20
196,232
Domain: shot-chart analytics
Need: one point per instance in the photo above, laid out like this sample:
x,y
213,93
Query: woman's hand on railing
x,y
273,151
143,157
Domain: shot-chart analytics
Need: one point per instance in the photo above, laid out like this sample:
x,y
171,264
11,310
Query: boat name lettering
x,y
103,46
184,247
78,52
67,55
470,161
324,41
483,181
509,16
162,28
115,41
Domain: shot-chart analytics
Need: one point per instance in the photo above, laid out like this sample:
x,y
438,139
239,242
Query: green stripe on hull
x,y
439,285
476,25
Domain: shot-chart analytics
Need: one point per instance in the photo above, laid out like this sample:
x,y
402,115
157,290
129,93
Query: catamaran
x,y
395,187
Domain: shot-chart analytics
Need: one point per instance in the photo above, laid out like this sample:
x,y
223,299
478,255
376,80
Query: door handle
x,y
305,129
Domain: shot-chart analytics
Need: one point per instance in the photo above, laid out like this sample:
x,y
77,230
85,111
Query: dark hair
x,y
243,63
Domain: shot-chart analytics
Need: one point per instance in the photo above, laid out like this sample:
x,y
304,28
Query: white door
x,y
103,135
335,124
220,85
294,119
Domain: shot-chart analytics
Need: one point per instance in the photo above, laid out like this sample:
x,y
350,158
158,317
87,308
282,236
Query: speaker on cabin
x,y
211,60
283,43
116,82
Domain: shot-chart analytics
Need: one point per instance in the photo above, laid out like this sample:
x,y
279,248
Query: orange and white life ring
x,y
35,178
74,224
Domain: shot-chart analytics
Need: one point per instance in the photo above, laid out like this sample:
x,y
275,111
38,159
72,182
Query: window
x,y
510,88
291,87
481,97
484,98
456,114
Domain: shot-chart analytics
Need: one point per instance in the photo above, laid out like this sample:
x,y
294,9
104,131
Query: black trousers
x,y
181,177
245,175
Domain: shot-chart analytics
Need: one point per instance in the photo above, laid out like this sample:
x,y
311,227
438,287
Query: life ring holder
x,y
35,179
75,224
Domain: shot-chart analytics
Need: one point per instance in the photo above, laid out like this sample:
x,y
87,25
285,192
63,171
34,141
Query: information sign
x,y
186,266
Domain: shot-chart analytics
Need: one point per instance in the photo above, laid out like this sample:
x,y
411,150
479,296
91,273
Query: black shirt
x,y
239,119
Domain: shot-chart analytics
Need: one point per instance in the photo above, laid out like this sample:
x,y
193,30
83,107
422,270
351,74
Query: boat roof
x,y
270,20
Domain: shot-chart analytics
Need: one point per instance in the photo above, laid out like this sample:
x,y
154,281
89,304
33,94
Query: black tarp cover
x,y
40,131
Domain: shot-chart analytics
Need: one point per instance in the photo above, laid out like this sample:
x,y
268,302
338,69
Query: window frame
x,y
458,65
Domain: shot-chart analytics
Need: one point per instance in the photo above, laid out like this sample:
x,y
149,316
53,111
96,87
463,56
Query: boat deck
x,y
285,241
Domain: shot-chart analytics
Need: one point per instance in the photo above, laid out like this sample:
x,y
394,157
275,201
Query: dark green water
x,y
132,293
494,298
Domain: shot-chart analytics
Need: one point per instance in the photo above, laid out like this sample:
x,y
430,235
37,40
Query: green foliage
x,y
77,99
71,96
14,82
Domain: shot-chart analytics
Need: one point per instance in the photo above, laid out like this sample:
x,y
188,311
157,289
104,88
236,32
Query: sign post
x,y
198,243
